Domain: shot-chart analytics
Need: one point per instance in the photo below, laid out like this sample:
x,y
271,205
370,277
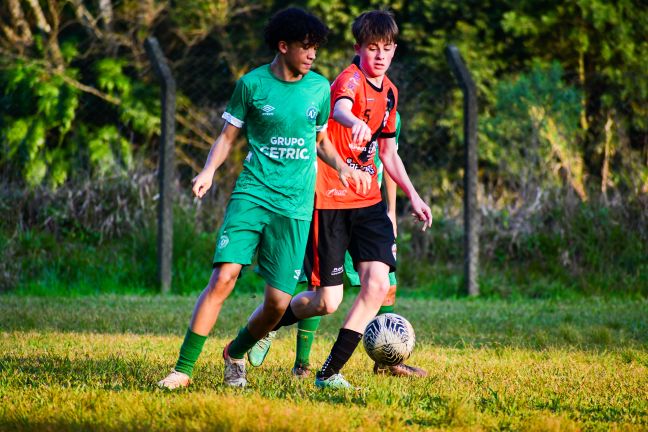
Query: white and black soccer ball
x,y
389,339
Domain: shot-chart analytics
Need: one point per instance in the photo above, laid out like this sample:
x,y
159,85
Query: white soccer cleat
x,y
175,380
234,373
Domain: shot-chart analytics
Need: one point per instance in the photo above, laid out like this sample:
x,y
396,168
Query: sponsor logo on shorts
x,y
336,192
223,241
394,250
337,270
297,274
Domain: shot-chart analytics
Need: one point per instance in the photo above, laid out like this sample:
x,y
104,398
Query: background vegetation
x,y
563,138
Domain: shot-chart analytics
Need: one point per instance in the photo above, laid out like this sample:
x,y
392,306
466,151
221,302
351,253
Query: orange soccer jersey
x,y
377,107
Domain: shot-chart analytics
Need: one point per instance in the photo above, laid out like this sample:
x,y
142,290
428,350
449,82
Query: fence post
x,y
165,165
471,211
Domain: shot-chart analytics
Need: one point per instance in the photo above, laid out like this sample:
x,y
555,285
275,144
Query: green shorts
x,y
354,279
279,241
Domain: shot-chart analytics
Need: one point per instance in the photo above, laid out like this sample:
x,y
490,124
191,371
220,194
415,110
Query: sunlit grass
x,y
92,363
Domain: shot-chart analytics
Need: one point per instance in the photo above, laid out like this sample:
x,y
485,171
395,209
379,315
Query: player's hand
x,y
422,212
360,132
360,179
201,183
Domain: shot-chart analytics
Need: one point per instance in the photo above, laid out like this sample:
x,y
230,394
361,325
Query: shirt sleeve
x,y
237,108
346,85
324,110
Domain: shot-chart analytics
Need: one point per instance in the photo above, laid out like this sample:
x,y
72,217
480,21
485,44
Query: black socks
x,y
343,348
287,319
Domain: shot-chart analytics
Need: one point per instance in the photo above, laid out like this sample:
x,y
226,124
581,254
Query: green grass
x,y
91,363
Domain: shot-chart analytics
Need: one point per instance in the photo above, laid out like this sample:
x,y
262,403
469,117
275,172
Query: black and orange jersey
x,y
376,107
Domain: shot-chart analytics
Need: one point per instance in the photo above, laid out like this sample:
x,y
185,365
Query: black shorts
x,y
366,232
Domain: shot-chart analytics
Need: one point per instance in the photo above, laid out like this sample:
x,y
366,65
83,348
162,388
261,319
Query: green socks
x,y
306,329
189,352
386,309
242,343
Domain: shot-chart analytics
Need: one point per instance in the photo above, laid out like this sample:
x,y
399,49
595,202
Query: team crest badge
x,y
311,113
223,242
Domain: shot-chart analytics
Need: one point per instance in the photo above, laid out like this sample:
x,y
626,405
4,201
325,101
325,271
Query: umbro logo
x,y
267,110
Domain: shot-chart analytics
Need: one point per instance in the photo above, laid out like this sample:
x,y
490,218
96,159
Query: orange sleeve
x,y
346,85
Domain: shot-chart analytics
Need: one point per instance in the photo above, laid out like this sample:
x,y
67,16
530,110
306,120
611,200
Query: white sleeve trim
x,y
229,118
321,128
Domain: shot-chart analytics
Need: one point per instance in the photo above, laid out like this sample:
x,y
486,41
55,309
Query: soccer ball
x,y
389,339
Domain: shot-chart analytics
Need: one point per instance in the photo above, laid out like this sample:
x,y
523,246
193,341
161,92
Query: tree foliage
x,y
562,87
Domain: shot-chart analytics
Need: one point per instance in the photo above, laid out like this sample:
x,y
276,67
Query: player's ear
x,y
356,47
282,46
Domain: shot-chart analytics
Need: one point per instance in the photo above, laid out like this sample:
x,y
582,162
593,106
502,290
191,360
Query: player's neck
x,y
280,69
376,81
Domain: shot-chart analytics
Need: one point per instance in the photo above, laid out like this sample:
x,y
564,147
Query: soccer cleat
x,y
257,354
175,380
301,371
335,381
234,374
399,370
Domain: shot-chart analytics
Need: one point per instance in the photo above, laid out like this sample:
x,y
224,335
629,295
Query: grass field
x,y
90,363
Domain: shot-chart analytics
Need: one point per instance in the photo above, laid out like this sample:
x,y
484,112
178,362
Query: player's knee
x,y
222,283
328,304
378,287
275,307
227,278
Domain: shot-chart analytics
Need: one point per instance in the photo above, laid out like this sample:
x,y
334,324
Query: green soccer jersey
x,y
282,119
377,161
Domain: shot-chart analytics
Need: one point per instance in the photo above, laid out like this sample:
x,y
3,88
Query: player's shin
x,y
346,343
306,329
189,352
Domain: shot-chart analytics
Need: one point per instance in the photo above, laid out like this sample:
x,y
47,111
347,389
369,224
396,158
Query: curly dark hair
x,y
295,25
375,26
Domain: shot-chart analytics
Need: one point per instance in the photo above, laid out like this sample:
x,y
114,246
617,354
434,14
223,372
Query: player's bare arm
x,y
217,155
329,155
395,168
360,131
390,191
